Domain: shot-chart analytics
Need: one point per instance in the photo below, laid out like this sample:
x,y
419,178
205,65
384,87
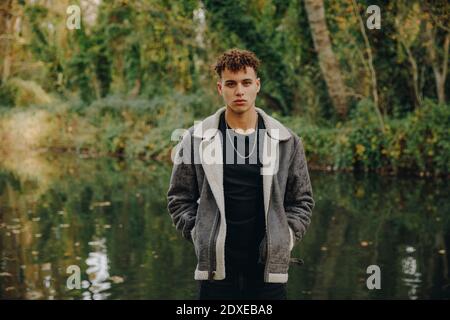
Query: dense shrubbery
x,y
140,69
113,125
142,128
418,143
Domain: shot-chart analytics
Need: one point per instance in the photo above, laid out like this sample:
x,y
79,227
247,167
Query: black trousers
x,y
242,284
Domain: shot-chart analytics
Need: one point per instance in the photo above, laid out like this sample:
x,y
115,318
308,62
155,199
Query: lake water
x,y
108,220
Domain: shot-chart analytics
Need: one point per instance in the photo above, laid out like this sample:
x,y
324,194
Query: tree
x,y
327,60
256,27
433,26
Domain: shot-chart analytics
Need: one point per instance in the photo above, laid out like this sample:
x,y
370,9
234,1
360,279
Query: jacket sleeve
x,y
183,194
298,200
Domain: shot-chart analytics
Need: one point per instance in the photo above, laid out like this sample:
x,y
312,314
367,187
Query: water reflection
x,y
411,277
98,283
110,219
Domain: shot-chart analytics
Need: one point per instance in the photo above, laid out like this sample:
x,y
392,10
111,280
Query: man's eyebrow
x,y
232,81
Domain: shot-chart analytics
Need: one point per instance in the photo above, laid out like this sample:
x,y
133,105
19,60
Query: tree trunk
x,y
327,60
6,33
415,74
373,74
440,72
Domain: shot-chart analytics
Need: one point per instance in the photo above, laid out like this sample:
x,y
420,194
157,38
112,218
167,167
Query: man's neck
x,y
241,121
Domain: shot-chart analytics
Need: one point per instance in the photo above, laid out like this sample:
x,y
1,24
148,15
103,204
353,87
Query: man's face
x,y
239,89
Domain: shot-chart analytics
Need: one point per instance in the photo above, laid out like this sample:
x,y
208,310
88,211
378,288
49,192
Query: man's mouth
x,y
240,101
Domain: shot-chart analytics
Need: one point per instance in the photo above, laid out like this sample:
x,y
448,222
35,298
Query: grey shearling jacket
x,y
196,197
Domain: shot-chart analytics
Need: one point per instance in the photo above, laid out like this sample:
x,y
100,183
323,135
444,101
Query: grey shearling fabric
x,y
196,201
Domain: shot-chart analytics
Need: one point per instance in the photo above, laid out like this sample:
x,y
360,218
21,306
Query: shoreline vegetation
x,y
416,145
366,91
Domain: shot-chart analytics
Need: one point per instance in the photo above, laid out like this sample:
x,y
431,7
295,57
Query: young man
x,y
240,190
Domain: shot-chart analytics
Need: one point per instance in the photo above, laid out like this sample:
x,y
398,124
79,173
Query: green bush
x,y
427,143
418,143
142,128
7,95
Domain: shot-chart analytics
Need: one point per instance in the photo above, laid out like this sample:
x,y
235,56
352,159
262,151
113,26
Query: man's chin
x,y
239,108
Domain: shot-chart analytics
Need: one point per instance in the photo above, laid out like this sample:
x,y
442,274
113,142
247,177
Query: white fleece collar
x,y
208,128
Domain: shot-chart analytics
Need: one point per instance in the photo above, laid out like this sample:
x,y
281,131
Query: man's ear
x,y
258,83
219,87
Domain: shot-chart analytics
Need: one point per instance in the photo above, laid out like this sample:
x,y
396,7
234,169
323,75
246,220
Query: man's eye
x,y
247,83
230,85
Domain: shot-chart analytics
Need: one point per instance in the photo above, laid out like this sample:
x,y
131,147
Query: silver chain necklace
x,y
232,142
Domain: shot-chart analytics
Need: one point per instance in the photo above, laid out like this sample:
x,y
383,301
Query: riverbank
x,y
416,145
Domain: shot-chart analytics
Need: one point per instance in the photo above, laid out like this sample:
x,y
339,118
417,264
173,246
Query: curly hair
x,y
236,60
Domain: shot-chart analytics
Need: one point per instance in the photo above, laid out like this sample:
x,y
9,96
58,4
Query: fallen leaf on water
x,y
306,292
32,295
8,258
95,243
100,204
116,279
323,248
364,243
410,249
5,274
442,251
46,266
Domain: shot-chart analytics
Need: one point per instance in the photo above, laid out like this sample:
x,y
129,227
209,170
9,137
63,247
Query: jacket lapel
x,y
210,150
212,163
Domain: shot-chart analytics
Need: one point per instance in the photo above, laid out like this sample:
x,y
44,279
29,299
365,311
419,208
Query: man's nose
x,y
239,91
